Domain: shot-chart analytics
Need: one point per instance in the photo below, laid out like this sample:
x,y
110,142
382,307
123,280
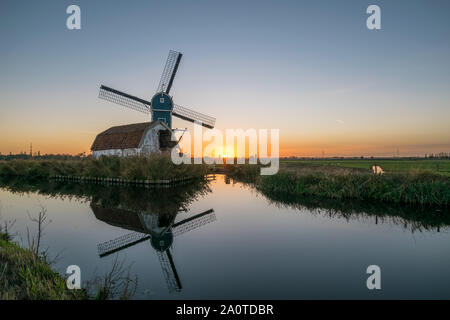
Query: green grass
x,y
133,168
342,183
422,189
389,165
23,276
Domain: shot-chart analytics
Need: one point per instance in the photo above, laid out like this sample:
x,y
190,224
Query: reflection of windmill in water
x,y
151,227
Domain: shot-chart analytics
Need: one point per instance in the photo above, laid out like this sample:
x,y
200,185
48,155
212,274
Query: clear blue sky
x,y
310,68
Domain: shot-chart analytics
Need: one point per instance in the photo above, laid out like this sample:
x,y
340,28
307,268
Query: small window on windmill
x,y
161,100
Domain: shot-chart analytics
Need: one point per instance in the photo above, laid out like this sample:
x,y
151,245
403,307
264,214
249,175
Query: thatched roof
x,y
123,137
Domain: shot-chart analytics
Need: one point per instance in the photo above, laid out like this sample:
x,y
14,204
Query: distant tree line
x,y
440,155
37,155
79,156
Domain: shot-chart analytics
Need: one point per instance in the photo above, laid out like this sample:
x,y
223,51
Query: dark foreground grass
x,y
413,188
25,276
134,168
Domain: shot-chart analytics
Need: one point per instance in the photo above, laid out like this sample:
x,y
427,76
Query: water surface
x,y
225,240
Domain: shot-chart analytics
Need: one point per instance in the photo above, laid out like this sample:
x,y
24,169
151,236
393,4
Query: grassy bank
x,y
331,182
133,168
25,276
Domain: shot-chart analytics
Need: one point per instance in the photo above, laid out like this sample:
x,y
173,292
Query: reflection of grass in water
x,y
159,200
338,183
133,168
412,217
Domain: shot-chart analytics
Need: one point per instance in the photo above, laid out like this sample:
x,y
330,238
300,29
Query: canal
x,y
225,240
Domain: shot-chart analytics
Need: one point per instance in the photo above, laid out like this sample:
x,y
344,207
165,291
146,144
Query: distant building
x,y
133,139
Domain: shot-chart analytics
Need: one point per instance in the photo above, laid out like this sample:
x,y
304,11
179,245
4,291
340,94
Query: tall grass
x,y
415,188
423,189
133,168
23,276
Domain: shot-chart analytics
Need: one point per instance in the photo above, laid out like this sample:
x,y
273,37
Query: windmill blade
x,y
192,116
169,271
194,222
120,243
170,69
124,99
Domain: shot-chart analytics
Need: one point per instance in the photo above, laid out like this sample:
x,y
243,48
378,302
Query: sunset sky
x,y
309,68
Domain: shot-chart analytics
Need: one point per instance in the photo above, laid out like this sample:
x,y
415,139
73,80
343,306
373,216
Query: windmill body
x,y
162,107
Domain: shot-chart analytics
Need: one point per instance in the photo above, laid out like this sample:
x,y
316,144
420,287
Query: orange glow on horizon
x,y
286,150
51,140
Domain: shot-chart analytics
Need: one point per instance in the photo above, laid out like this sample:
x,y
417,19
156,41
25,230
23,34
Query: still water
x,y
224,240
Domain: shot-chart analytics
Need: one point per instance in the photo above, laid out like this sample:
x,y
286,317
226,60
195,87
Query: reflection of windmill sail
x,y
194,222
122,242
169,271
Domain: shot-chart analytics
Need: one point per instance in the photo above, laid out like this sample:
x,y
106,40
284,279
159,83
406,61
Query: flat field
x,y
441,166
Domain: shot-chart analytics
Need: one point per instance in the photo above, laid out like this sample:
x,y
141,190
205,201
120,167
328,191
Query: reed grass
x,y
26,273
414,188
133,168
24,276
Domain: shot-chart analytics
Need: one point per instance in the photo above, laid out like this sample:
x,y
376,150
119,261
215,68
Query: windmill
x,y
161,106
161,239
